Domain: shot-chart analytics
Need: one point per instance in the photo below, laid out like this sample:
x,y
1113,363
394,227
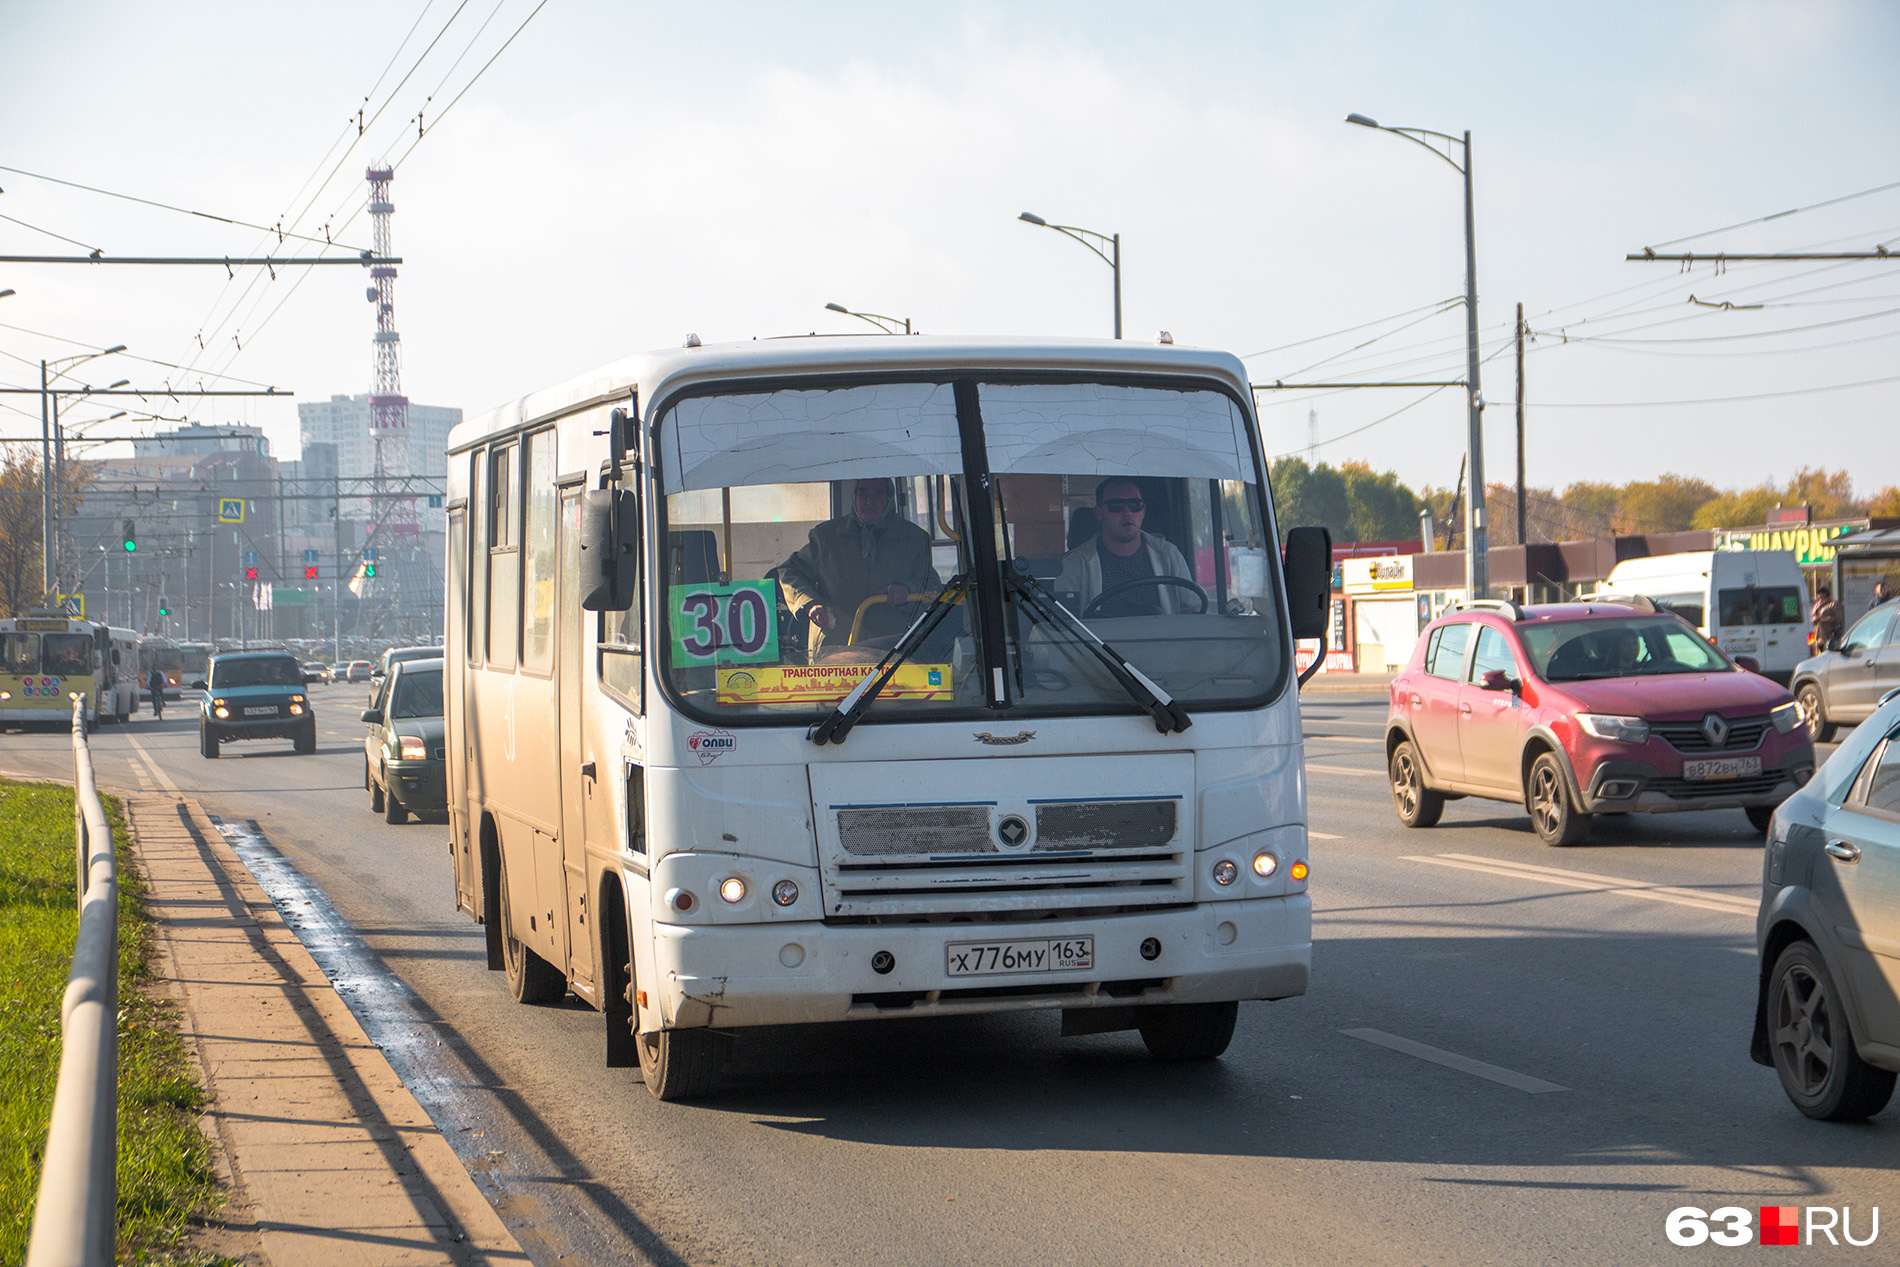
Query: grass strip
x,y
166,1178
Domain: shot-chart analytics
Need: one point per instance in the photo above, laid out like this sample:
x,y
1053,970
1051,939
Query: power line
x,y
203,215
1878,189
1713,400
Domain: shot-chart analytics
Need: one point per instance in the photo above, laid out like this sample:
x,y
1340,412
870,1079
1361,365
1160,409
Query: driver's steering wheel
x,y
1140,582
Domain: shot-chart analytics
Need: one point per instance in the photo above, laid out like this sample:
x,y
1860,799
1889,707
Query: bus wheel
x,y
1188,1031
678,1063
531,979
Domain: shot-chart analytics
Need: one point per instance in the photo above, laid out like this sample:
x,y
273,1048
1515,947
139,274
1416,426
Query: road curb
x,y
333,1158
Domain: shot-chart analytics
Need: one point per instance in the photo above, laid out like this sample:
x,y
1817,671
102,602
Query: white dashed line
x,y
1586,882
1342,769
138,750
1322,835
1452,1060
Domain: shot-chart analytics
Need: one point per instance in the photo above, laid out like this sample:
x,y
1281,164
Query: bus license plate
x,y
269,710
1722,768
997,958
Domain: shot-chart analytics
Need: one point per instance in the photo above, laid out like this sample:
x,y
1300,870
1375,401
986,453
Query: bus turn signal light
x,y
1298,871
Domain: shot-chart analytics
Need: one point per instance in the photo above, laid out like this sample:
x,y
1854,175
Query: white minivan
x,y
1750,603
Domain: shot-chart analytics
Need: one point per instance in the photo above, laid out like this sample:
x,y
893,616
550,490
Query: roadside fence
x,y
74,1216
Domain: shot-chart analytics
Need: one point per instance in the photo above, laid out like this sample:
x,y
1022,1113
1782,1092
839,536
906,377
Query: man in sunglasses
x,y
1122,553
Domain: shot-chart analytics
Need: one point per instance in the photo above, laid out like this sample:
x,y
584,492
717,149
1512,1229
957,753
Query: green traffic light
x,y
130,546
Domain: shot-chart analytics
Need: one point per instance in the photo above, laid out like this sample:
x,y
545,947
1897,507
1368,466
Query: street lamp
x,y
1477,560
1112,257
48,481
877,319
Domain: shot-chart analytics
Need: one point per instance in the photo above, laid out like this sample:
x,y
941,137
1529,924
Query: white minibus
x,y
829,679
1750,603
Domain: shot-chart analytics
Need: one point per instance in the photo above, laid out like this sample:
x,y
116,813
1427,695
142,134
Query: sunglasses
x,y
1124,505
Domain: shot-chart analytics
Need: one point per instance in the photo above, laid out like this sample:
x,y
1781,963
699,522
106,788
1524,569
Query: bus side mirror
x,y
1308,566
610,549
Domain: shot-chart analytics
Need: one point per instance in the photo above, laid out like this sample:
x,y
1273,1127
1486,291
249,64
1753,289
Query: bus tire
x,y
616,957
531,979
678,1063
208,741
1188,1031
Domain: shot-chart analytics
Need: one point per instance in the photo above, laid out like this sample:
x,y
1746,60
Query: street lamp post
x,y
1477,560
1112,257
887,324
53,457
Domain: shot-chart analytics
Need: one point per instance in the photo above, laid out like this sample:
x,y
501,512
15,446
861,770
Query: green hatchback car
x,y
403,768
255,695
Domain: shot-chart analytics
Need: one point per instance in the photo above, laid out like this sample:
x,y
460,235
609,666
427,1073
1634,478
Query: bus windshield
x,y
807,530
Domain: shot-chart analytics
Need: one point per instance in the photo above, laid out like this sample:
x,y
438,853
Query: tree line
x,y
1359,504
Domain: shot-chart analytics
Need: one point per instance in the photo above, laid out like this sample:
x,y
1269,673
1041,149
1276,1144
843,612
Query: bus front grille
x,y
997,883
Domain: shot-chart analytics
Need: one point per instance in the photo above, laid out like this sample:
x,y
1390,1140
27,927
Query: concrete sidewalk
x,y
330,1159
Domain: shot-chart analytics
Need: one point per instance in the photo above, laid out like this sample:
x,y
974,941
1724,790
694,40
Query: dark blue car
x,y
255,695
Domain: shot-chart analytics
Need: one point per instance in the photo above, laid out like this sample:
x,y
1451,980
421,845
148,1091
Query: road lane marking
x,y
1341,769
1322,835
1341,738
1585,881
1452,1060
138,750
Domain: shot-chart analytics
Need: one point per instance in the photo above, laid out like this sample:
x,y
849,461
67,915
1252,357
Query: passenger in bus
x,y
1121,552
871,551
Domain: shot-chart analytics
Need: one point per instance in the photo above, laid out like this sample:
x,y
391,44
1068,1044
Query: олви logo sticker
x,y
710,745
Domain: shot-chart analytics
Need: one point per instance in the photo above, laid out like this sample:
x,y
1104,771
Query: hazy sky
x,y
626,173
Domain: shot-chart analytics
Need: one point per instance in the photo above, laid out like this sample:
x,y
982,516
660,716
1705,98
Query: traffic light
x,y
129,536
250,574
164,607
369,571
309,571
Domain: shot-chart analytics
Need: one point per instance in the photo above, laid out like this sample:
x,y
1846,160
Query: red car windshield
x,y
1581,650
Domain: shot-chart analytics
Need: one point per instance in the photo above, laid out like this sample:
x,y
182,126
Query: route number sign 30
x,y
724,624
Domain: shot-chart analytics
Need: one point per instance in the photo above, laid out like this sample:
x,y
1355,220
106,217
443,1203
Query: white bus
x,y
1000,779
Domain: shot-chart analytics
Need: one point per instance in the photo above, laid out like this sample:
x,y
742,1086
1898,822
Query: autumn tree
x,y
20,577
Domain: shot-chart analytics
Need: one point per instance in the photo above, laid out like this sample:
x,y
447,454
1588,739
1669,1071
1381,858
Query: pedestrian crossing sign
x,y
230,510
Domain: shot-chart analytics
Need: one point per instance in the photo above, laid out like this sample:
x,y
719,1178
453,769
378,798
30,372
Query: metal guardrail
x,y
74,1217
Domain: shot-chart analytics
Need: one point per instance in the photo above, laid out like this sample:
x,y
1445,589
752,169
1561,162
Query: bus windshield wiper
x,y
835,725
1168,715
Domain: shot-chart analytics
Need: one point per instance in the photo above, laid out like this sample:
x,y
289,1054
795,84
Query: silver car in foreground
x,y
1827,1014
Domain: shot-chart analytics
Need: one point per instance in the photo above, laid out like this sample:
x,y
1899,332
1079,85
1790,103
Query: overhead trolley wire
x,y
1816,206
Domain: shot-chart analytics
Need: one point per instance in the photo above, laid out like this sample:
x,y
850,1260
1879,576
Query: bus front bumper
x,y
733,976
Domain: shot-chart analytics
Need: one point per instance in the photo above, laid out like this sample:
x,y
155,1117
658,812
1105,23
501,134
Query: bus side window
x,y
621,653
475,564
537,555
504,559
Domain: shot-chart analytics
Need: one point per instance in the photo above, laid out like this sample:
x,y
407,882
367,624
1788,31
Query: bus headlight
x,y
411,749
785,893
732,890
1225,873
5,695
1265,864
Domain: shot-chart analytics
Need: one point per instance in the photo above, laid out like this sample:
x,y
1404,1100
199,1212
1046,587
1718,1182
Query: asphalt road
x,y
1510,1054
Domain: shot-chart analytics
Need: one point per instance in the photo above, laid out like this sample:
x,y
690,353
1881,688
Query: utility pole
x,y
1522,538
46,488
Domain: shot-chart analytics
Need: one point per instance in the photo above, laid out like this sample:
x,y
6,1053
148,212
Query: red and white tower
x,y
388,407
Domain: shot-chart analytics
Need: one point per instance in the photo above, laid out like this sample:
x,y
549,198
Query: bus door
x,y
581,796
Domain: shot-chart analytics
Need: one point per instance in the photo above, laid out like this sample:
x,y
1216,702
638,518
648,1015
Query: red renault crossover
x,y
1578,709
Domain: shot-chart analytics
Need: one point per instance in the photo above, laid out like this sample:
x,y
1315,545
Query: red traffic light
x,y
310,572
250,574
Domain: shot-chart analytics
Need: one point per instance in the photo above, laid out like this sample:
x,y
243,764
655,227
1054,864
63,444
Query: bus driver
x,y
871,551
1120,553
